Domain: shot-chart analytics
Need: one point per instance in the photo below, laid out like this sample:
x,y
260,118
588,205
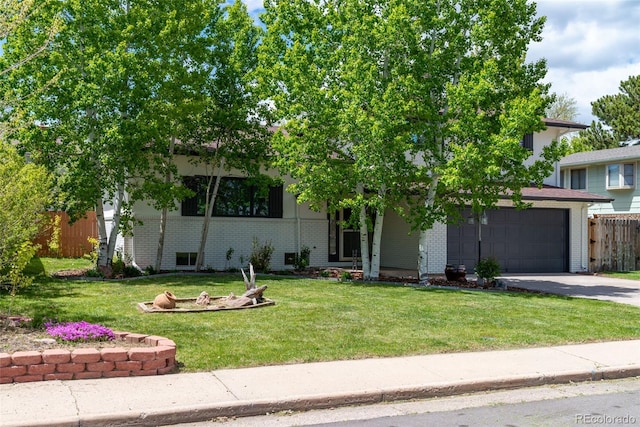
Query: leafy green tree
x,y
183,73
595,137
563,107
230,133
621,112
24,196
414,105
619,119
574,145
99,96
14,13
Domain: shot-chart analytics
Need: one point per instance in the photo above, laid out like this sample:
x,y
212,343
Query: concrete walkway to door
x,y
579,285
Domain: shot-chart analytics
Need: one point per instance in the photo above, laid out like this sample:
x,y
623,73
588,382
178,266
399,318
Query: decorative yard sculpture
x,y
253,297
203,299
165,300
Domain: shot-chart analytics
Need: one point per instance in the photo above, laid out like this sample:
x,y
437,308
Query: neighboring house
x,y
549,237
614,236
612,173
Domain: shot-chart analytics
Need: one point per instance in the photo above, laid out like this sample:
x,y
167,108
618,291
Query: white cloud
x,y
590,47
253,5
585,86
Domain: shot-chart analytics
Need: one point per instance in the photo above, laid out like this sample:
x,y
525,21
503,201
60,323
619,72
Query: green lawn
x,y
631,275
41,266
320,320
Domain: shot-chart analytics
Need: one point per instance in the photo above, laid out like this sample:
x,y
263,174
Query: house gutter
x,y
627,158
566,199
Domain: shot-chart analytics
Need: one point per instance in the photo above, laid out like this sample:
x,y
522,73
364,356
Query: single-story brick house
x,y
549,237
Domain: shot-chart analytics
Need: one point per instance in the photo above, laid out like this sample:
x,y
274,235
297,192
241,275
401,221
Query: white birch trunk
x,y
211,199
163,214
364,244
376,245
101,261
115,223
364,237
423,249
423,265
107,244
163,229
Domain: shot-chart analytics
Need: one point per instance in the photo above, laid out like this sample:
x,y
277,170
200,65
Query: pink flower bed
x,y
84,363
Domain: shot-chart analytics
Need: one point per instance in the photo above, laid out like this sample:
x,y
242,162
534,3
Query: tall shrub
x,y
24,195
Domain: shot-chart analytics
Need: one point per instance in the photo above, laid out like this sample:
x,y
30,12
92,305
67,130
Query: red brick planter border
x,y
84,363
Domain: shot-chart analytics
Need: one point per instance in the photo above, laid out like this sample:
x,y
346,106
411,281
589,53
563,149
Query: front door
x,y
344,237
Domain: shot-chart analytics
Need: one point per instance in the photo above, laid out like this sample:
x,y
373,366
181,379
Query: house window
x,y
621,175
578,179
186,258
527,141
236,197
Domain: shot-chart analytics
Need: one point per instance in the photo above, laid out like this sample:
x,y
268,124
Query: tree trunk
x,y
364,237
163,229
107,244
423,266
101,261
113,234
211,199
163,214
376,245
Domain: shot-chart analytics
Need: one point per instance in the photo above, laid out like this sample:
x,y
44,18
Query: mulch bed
x,y
337,273
75,273
436,281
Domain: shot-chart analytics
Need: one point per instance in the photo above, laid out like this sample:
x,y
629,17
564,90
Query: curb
x,y
200,413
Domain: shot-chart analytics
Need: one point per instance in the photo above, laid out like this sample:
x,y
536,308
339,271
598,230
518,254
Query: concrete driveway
x,y
579,285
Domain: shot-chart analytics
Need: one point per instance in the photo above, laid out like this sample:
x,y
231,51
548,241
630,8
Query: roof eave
x,y
569,199
600,161
563,124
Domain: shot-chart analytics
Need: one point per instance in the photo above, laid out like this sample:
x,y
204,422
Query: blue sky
x,y
590,47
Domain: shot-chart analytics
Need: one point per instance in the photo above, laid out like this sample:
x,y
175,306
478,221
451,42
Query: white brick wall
x,y
400,245
183,235
302,227
399,248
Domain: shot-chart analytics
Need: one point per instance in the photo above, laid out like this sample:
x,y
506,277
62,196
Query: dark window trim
x,y
190,257
527,141
581,183
274,204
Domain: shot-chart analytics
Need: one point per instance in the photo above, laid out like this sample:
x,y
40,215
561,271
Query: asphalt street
x,y
551,405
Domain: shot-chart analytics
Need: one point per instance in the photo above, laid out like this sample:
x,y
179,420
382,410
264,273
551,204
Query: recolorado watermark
x,y
603,419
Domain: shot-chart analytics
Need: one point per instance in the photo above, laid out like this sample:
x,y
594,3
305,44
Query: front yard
x,y
320,320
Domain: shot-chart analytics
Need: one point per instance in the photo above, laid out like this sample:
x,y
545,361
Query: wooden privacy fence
x,y
614,243
73,241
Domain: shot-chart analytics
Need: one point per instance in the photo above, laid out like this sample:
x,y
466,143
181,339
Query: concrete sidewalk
x,y
191,397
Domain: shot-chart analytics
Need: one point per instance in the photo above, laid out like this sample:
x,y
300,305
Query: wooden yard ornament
x,y
251,298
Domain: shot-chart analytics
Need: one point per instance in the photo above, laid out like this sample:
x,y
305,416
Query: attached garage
x,y
534,240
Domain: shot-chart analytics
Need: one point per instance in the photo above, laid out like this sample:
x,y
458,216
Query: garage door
x,y
524,241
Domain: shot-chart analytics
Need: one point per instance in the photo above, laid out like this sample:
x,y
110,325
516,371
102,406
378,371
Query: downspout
x,y
298,228
585,226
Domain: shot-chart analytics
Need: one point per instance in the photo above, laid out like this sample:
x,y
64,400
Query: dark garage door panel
x,y
528,241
